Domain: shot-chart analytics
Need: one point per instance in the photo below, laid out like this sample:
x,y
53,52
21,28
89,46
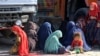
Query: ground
x,y
4,51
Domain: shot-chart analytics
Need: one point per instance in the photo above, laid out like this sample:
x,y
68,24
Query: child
x,y
77,43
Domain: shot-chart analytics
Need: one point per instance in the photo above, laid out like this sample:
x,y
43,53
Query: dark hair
x,y
76,34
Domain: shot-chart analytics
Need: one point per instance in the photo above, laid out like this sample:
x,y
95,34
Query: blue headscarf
x,y
43,33
67,39
78,29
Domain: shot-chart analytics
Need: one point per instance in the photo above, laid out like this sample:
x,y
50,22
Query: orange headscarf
x,y
23,46
95,10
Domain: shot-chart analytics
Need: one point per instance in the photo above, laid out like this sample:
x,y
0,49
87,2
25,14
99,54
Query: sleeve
x,y
72,45
57,41
81,43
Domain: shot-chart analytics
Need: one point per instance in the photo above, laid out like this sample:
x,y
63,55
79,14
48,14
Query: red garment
x,y
95,11
77,43
23,46
98,16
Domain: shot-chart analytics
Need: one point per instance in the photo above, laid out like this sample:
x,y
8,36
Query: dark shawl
x,y
31,30
43,33
82,12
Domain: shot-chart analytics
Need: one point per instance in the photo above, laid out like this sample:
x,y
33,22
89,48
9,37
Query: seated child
x,y
77,43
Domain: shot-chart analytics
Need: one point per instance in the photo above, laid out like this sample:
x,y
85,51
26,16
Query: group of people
x,y
80,34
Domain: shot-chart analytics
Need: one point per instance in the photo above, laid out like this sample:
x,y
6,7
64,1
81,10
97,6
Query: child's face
x,y
76,38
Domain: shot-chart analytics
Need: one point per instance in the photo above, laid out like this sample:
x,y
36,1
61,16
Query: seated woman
x,y
52,44
91,22
31,30
77,43
21,45
79,29
68,36
43,33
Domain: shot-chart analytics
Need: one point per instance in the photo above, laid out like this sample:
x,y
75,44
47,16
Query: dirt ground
x,y
4,51
90,53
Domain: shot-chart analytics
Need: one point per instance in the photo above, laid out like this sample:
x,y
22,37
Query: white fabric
x,y
18,22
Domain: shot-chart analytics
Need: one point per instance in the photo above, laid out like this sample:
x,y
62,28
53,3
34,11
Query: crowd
x,y
80,35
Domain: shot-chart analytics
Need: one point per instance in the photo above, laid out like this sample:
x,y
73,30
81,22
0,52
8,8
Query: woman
x,y
52,44
70,33
67,39
79,29
22,42
31,31
91,22
43,33
82,12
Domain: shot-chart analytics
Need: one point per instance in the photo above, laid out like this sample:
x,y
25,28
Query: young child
x,y
77,43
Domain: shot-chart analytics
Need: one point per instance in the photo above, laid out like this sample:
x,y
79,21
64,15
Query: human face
x,y
91,7
76,38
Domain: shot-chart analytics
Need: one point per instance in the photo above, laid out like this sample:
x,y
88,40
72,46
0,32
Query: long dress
x,y
90,31
43,33
31,31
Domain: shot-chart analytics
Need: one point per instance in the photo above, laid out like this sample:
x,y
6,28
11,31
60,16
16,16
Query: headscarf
x,y
85,45
43,33
70,25
82,12
52,43
19,23
23,45
31,29
52,27
67,39
95,10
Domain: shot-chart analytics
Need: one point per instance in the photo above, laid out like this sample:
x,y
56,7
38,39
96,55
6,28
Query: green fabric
x,y
52,43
